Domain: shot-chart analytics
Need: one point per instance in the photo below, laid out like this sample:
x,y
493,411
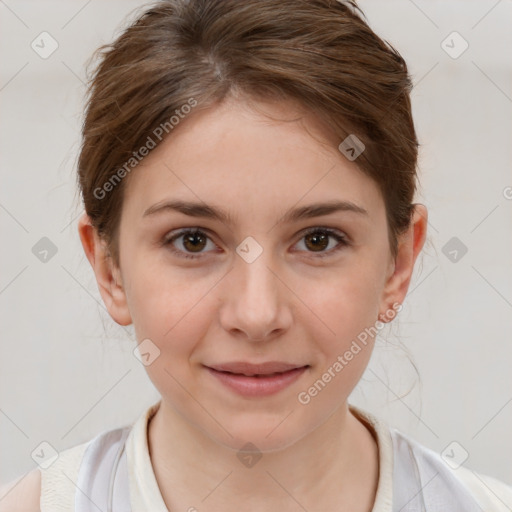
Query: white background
x,y
67,371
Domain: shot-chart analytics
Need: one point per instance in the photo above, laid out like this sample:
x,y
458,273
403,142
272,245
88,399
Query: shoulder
x,y
491,493
45,489
53,488
58,480
22,494
458,484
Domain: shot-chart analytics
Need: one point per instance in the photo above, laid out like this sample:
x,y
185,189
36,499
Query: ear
x,y
108,276
410,244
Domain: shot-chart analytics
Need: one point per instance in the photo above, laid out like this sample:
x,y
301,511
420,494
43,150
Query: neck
x,y
335,467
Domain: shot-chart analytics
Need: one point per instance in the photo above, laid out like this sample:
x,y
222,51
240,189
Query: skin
x,y
288,305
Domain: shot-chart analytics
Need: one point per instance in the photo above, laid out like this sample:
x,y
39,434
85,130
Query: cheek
x,y
345,302
344,340
174,318
169,308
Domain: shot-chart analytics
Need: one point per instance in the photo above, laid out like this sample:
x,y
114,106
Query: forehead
x,y
236,156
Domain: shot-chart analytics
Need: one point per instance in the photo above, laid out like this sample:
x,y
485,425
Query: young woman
x,y
248,171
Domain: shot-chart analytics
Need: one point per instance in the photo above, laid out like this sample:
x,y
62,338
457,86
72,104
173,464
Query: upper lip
x,y
249,369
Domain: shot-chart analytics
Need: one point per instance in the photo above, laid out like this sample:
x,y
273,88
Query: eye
x,y
317,239
193,240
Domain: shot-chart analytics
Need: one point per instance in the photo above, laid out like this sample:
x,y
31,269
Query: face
x,y
255,284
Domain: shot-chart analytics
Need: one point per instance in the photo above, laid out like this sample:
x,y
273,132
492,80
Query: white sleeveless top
x,y
113,473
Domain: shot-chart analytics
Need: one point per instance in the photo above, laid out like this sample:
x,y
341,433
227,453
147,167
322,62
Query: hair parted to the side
x,y
320,53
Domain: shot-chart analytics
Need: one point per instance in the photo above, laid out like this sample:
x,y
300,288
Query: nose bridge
x,y
253,298
257,284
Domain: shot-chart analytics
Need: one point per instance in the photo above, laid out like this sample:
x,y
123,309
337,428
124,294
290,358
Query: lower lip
x,y
257,386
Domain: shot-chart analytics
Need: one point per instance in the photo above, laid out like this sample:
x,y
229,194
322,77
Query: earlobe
x,y
108,276
409,247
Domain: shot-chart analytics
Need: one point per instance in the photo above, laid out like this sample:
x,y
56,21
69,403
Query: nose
x,y
255,303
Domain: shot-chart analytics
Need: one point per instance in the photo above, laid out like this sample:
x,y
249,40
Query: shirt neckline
x,y
145,493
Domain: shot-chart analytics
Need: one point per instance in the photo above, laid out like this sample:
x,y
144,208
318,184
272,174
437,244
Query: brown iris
x,y
319,240
193,241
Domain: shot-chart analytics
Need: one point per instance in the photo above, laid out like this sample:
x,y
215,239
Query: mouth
x,y
254,380
256,370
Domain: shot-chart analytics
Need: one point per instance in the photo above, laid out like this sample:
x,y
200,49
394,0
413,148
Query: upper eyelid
x,y
181,231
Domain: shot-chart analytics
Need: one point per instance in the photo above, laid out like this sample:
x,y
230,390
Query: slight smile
x,y
256,380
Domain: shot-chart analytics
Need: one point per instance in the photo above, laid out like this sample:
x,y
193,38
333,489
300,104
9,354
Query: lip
x,y
255,380
250,369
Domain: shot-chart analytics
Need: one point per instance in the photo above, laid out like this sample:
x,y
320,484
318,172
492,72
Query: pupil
x,y
315,238
190,240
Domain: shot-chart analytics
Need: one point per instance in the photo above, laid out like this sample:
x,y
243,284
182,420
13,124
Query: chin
x,y
268,436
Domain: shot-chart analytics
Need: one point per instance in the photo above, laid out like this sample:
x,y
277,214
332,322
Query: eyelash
x,y
341,239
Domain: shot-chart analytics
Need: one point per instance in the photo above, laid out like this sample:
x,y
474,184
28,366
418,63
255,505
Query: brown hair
x,y
320,53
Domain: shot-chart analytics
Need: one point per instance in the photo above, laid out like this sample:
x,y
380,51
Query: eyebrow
x,y
194,209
